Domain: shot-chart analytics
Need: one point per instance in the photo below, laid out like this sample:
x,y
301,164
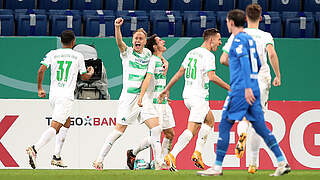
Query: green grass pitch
x,y
11,174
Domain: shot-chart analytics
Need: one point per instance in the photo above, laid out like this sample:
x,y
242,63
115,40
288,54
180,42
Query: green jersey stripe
x,y
207,98
155,101
158,88
206,86
133,77
137,65
159,76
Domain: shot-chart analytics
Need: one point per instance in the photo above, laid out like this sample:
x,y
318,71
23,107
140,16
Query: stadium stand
x,y
185,5
53,4
133,20
166,23
271,22
1,4
195,22
119,5
152,5
31,25
219,5
20,4
311,5
242,4
6,25
222,23
87,4
60,20
298,24
6,12
284,5
98,23
30,11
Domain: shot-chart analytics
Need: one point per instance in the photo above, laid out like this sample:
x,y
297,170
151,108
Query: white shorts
x,y
61,108
128,110
264,85
198,108
166,119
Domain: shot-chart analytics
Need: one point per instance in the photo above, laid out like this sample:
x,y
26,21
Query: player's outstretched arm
x,y
41,71
144,87
217,80
224,58
117,27
274,61
88,75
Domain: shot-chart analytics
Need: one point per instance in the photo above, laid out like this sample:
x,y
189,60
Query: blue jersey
x,y
244,64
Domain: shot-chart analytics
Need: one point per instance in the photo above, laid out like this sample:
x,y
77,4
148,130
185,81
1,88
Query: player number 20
x,y
192,70
61,70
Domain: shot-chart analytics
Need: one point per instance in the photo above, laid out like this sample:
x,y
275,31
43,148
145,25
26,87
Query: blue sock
x,y
268,138
223,140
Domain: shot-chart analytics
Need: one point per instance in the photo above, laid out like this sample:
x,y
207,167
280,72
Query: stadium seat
x,y
31,25
166,23
242,4
87,4
30,11
298,24
114,5
20,4
133,20
271,22
6,12
285,5
195,22
219,5
71,19
222,23
98,23
312,5
152,5
7,25
185,5
1,4
54,4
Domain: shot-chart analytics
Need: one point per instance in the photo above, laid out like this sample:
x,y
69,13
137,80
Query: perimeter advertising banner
x,y
296,126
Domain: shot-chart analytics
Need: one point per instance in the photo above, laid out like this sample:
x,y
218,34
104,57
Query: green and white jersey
x,y
65,65
158,81
197,64
134,66
262,40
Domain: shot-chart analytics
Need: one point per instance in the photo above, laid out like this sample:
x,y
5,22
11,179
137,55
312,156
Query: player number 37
x,y
63,69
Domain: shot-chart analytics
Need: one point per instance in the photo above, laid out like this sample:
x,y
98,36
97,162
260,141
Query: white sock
x,y
45,138
155,142
242,127
166,146
183,140
60,137
202,137
254,147
115,134
146,142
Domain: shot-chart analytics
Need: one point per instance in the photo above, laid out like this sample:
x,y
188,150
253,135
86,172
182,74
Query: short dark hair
x,y
253,12
151,42
209,32
67,37
237,16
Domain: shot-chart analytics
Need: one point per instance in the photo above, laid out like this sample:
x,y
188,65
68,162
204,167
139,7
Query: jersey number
x,y
192,70
254,63
61,70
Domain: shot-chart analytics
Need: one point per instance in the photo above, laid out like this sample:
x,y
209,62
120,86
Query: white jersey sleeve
x,y
211,63
151,66
81,65
186,61
227,45
47,60
269,39
126,53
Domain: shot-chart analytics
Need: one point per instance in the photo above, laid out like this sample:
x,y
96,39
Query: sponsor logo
x,y
89,121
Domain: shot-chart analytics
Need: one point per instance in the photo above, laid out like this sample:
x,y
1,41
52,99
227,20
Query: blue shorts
x,y
236,107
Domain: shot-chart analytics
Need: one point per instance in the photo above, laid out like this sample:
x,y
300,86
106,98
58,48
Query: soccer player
x,y
153,84
135,62
244,98
65,64
265,44
198,68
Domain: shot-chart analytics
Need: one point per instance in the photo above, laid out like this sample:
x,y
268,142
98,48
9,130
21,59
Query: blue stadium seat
x,y
29,11
152,5
7,25
285,5
54,4
195,22
113,5
6,12
166,23
98,23
64,12
133,20
298,24
185,5
20,4
242,4
317,17
65,20
28,25
312,5
222,23
1,4
87,4
271,22
219,5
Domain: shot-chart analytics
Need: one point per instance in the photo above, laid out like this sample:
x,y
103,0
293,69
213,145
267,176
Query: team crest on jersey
x,y
239,49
